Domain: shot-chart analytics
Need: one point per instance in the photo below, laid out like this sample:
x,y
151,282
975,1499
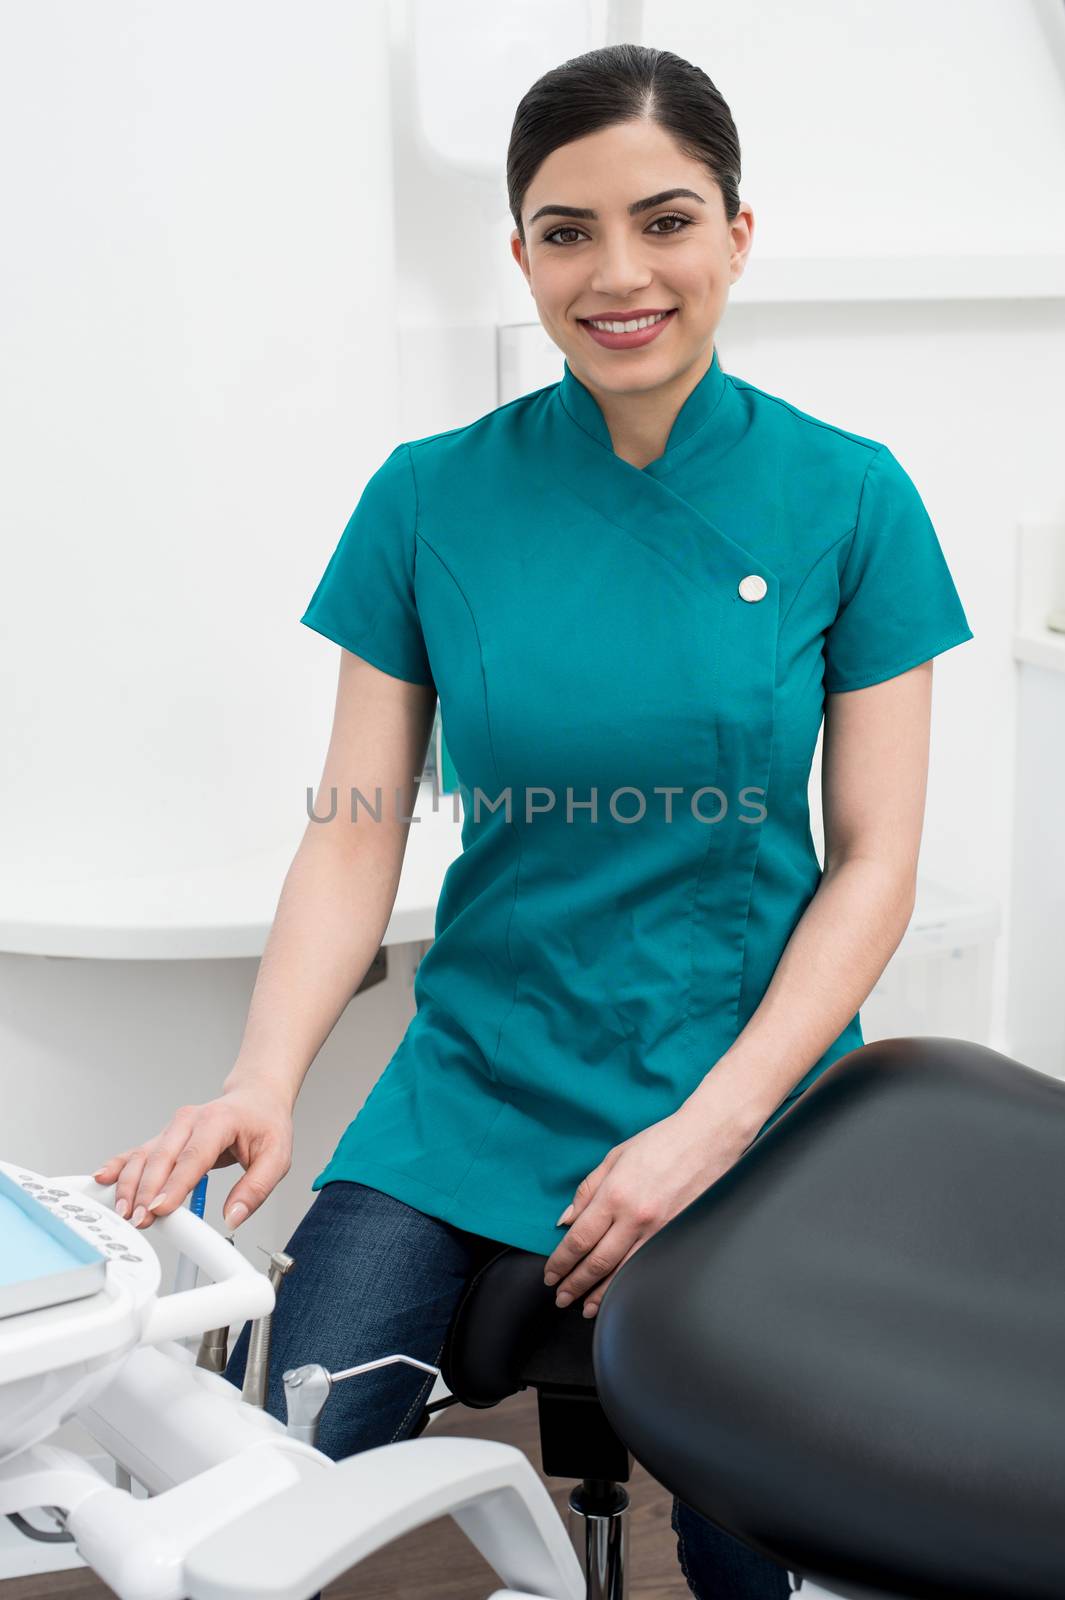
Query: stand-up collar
x,y
582,407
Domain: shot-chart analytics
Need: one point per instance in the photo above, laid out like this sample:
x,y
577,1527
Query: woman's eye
x,y
672,216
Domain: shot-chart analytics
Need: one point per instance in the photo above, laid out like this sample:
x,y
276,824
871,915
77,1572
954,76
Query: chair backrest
x,y
507,1334
499,1322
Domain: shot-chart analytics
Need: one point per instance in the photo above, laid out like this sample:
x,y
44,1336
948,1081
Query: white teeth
x,y
628,327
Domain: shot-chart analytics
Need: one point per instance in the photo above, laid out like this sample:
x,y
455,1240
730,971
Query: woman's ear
x,y
517,250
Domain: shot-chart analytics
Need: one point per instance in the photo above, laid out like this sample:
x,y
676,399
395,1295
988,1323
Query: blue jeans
x,y
374,1276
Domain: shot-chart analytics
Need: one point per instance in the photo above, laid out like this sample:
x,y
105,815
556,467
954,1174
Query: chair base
x,y
599,1528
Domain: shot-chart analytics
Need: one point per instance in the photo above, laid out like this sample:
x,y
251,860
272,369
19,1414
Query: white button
x,y
753,587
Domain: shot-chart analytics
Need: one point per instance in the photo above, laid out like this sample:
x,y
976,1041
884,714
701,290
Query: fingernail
x,y
235,1215
137,1215
157,1201
589,1311
550,1278
121,1206
565,1216
562,1298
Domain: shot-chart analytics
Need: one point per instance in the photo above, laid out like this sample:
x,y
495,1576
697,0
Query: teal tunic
x,y
659,640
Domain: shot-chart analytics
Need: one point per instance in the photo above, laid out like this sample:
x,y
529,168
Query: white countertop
x,y
226,909
218,910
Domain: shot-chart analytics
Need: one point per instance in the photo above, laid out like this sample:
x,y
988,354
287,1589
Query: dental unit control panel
x,y
80,1290
111,1237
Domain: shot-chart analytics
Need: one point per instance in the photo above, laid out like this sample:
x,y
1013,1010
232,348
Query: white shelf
x,y
883,278
1045,649
1039,592
212,912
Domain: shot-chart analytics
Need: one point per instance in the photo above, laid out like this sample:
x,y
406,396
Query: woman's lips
x,y
628,341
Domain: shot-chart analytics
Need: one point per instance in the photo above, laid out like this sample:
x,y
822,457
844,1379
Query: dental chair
x,y
847,1352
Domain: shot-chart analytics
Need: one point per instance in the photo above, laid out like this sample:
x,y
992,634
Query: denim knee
x,y
718,1566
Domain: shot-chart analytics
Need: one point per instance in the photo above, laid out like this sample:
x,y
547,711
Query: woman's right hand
x,y
252,1126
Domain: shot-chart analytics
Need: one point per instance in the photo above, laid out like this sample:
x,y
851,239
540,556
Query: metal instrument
x,y
214,1345
308,1388
257,1370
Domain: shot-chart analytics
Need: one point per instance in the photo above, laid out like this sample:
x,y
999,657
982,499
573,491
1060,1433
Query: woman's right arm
x,y
331,916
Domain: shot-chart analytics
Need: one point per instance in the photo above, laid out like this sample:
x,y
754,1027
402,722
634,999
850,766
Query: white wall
x,y
886,129
200,372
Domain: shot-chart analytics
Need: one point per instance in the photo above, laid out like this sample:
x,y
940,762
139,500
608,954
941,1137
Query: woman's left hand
x,y
636,1189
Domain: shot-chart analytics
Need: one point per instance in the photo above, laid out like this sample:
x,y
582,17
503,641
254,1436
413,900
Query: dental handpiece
x,y
308,1388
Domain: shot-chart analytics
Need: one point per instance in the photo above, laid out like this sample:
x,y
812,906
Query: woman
x,y
636,592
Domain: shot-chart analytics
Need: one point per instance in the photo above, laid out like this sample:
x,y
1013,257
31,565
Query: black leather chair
x,y
848,1352
507,1334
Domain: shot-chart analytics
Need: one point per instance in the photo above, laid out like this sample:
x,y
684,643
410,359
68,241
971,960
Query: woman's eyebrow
x,y
589,215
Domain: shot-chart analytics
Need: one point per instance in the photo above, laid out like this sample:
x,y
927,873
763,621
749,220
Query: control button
x,y
128,1256
753,587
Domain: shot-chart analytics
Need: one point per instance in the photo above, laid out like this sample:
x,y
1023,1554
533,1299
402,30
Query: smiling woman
x,y
600,236
650,574
654,578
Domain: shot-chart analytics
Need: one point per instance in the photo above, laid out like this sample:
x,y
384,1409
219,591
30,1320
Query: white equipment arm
x,y
304,1537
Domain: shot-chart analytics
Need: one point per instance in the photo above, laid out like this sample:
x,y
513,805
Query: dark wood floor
x,y
438,1562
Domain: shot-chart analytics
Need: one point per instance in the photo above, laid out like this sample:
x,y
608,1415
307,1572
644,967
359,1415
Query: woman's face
x,y
677,255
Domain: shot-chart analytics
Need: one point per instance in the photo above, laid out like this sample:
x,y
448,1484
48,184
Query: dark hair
x,y
623,83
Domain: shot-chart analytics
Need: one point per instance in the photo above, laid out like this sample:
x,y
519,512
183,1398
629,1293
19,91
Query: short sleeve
x,y
365,598
898,605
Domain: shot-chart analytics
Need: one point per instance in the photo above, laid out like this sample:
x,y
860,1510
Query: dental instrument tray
x,y
43,1262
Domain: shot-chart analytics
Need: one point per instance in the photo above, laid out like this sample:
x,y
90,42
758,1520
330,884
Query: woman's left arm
x,y
874,771
874,777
